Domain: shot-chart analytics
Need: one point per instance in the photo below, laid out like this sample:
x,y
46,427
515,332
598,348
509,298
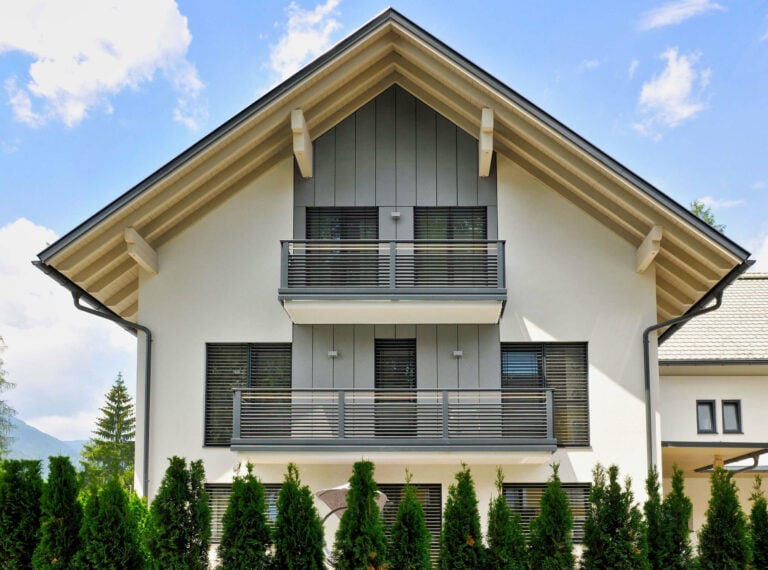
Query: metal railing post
x,y
445,414
342,406
392,265
238,397
500,274
284,245
550,415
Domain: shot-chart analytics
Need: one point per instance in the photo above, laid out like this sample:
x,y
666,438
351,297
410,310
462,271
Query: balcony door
x,y
395,383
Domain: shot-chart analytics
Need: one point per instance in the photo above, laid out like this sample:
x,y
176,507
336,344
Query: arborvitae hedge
x,y
653,521
758,525
298,534
676,512
506,540
723,540
20,490
61,517
360,541
461,542
551,540
246,536
410,539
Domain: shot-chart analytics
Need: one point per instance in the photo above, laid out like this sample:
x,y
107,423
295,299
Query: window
x,y
705,416
342,223
218,499
561,366
240,365
429,496
732,416
450,223
395,376
525,500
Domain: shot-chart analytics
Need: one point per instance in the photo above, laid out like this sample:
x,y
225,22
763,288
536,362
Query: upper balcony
x,y
391,282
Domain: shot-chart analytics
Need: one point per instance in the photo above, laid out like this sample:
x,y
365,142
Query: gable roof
x,y
391,49
736,332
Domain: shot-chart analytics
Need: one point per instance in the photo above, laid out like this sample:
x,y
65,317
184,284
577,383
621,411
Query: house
x,y
713,396
393,255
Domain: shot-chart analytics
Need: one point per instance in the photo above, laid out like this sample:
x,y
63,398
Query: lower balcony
x,y
393,420
393,282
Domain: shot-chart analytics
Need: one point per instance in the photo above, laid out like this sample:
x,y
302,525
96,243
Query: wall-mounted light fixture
x,y
458,353
333,353
395,215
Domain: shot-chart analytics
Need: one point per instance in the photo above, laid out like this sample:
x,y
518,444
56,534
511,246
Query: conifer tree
x,y
723,540
409,538
110,532
758,525
6,411
298,533
109,453
506,540
551,540
20,490
179,518
245,537
360,541
614,534
656,538
461,542
676,512
61,517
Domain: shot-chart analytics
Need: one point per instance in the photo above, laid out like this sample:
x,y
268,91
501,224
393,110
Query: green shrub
x,y
461,542
20,489
653,521
723,540
410,539
758,525
299,536
360,541
676,512
506,540
551,541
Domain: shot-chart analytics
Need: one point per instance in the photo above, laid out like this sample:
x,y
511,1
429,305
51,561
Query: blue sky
x,y
97,94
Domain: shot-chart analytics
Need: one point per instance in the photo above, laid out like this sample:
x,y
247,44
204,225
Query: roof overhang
x,y
692,257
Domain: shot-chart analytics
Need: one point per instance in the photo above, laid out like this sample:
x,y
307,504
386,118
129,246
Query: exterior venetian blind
x,y
395,363
525,500
449,223
218,499
561,366
342,223
430,497
239,365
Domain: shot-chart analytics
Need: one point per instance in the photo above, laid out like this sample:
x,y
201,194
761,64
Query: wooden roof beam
x,y
141,252
648,250
302,143
485,145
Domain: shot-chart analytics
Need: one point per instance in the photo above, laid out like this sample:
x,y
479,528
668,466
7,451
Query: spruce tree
x,y
409,540
723,540
614,533
461,542
656,538
298,534
676,512
360,541
245,537
551,540
61,517
758,525
20,489
506,540
109,453
179,518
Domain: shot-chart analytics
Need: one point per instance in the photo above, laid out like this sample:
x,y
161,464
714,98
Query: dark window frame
x,y
711,404
739,420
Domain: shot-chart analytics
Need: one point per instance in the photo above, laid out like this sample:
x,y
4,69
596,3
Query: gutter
x,y
104,312
698,309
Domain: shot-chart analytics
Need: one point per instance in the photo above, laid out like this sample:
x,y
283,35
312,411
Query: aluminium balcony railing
x,y
392,269
507,419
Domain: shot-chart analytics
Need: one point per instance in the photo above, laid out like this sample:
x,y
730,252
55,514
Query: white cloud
x,y
632,68
715,204
62,360
761,256
758,185
669,99
588,64
85,51
677,12
308,35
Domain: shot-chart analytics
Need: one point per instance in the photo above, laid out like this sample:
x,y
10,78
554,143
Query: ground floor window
x,y
525,500
430,497
218,499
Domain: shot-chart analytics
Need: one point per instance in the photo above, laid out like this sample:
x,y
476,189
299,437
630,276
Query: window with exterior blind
x,y
525,500
395,371
342,223
239,365
561,366
430,497
218,499
450,223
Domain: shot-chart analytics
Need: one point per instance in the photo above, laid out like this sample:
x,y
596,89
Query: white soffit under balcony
x,y
393,312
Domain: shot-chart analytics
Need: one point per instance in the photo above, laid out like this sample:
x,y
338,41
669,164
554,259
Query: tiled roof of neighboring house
x,y
736,331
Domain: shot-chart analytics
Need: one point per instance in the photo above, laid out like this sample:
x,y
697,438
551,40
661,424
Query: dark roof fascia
x,y
393,15
716,444
716,362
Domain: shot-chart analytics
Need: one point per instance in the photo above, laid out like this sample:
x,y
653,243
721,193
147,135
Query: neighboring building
x,y
394,256
714,393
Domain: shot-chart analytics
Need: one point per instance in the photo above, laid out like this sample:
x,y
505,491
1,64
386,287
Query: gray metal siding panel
x,y
387,225
446,162
344,363
384,331
487,186
466,168
345,162
468,363
447,369
405,131
426,161
493,222
405,225
301,359
365,155
303,188
299,222
489,356
385,148
322,365
364,357
405,331
324,168
426,356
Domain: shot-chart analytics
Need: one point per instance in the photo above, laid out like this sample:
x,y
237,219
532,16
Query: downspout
x,y
717,293
103,312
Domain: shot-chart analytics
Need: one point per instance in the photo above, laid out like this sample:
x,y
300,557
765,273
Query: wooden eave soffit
x,y
302,143
648,250
140,251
